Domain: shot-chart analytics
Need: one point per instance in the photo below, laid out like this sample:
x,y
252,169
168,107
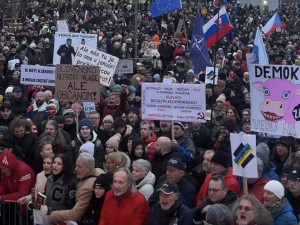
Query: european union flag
x,y
199,52
160,7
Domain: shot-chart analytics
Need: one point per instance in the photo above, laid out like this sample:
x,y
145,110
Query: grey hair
x,y
88,158
52,123
210,151
260,164
42,94
130,179
221,179
143,164
262,215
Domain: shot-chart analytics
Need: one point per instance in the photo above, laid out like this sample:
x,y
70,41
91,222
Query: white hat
x,y
88,147
9,90
275,187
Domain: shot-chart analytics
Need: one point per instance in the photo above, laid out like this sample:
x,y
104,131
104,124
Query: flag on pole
x,y
259,51
272,24
199,52
217,27
160,7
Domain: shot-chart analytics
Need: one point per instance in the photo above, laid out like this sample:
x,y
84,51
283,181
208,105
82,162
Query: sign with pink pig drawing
x,y
275,99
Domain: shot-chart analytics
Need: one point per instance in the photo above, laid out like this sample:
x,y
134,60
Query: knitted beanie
x,y
85,122
229,125
136,142
221,158
218,214
88,147
108,118
263,152
114,141
104,181
221,98
275,187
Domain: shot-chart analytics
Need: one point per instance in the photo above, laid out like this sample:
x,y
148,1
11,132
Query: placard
x,y
211,75
165,101
62,26
77,83
107,63
276,91
38,75
124,66
89,107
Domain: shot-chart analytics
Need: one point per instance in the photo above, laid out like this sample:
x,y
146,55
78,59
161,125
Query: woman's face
x,y
284,180
138,151
109,149
57,165
282,150
137,173
47,166
129,145
270,198
110,164
245,212
99,191
230,112
46,150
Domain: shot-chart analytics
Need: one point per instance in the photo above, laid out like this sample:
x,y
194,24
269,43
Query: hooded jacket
x,y
21,181
145,187
150,146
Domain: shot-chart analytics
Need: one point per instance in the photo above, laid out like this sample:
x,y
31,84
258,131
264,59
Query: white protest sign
x,y
38,75
90,56
124,66
211,75
251,58
243,151
62,26
275,95
89,107
183,102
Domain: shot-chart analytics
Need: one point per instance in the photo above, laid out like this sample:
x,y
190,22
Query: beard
x,y
157,154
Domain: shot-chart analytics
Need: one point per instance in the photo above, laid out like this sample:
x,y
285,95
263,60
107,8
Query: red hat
x,y
8,160
233,76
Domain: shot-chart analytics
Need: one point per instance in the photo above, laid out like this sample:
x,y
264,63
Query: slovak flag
x,y
272,24
217,27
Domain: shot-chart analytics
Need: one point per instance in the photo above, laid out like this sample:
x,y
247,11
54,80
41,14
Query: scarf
x,y
278,207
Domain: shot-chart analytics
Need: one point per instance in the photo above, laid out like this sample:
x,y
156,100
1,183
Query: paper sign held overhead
x,y
124,66
62,26
38,75
211,75
77,83
106,62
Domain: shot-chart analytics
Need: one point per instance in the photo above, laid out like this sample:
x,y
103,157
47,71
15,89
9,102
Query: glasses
x,y
246,208
94,118
213,190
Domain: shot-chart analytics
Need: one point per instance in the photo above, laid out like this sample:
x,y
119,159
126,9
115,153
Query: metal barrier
x,y
13,214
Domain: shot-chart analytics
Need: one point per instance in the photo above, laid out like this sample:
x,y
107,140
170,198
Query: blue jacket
x,y
269,172
286,216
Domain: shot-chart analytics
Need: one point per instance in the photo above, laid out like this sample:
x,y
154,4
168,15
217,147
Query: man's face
x,y
69,42
246,128
206,165
132,117
107,125
5,113
215,192
224,132
120,184
39,99
95,119
17,94
50,130
85,131
81,169
270,198
294,186
217,169
6,171
19,132
145,131
197,126
167,200
112,100
178,132
165,126
174,174
69,119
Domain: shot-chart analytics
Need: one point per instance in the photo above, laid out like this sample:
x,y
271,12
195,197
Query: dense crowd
x,y
130,171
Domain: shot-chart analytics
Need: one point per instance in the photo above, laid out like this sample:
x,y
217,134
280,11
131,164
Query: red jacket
x,y
133,210
150,146
257,189
21,181
231,181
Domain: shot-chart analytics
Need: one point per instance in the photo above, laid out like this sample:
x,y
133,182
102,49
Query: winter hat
x,y
288,141
136,142
218,214
114,141
287,169
227,104
69,112
132,137
221,158
229,125
294,174
177,163
179,124
169,187
156,77
85,122
143,164
233,76
263,152
9,90
60,119
117,87
221,83
3,130
221,98
246,120
134,110
88,147
275,187
190,72
104,181
8,160
108,118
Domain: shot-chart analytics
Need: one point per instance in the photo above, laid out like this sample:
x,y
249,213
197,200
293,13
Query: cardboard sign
x,y
62,26
275,95
124,66
107,63
211,75
64,54
38,75
89,107
77,83
243,151
165,101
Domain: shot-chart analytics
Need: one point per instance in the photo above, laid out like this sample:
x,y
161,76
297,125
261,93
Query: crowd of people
x,y
132,171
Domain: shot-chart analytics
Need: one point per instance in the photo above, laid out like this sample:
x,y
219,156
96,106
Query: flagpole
x,y
135,28
187,41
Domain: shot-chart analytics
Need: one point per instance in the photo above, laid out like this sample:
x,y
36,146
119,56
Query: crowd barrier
x,y
11,213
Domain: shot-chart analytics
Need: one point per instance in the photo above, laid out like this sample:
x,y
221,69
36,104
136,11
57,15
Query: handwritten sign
x,y
38,75
62,26
107,63
77,83
124,66
165,101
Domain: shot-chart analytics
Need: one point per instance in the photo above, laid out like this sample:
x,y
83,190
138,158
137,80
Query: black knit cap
x,y
104,181
221,158
136,142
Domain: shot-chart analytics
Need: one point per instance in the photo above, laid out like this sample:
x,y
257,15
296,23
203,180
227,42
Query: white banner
x,y
62,26
38,75
124,66
211,75
276,91
243,151
90,56
183,102
64,54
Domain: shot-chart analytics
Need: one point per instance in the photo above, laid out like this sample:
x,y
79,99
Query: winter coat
x,y
231,182
269,171
138,78
275,159
186,147
20,106
150,146
295,203
37,59
84,192
256,189
124,139
21,181
131,209
112,110
6,122
286,216
178,214
145,187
